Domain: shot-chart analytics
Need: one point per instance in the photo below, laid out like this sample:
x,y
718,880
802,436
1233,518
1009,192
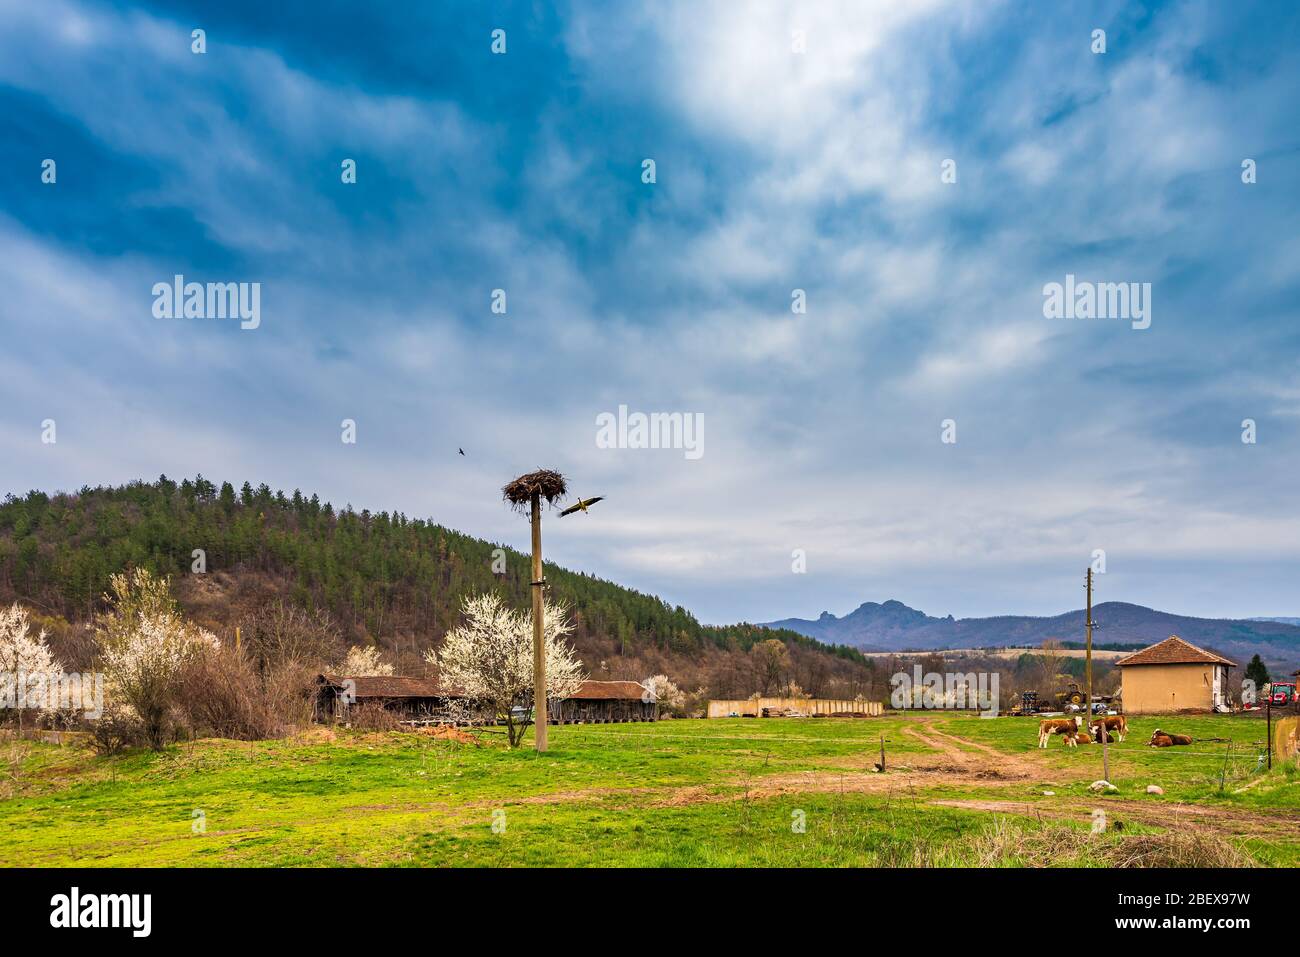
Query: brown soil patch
x,y
447,732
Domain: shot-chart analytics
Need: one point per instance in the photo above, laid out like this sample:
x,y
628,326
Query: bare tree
x,y
279,634
771,660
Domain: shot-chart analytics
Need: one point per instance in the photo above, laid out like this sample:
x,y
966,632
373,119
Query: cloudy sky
x,y
795,146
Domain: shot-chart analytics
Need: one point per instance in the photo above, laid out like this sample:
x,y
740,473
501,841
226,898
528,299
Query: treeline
x,y
385,578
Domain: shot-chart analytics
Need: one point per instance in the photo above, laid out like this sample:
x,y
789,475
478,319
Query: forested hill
x,y
385,578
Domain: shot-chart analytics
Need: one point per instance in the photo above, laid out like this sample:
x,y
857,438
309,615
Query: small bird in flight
x,y
460,450
581,506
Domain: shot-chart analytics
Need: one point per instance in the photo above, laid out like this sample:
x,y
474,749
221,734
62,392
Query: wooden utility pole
x,y
525,494
1088,670
1268,703
539,645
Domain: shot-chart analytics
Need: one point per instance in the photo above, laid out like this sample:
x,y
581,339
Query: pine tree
x,y
1257,672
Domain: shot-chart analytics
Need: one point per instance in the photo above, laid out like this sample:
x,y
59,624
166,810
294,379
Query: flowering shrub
x,y
364,662
24,658
670,697
489,657
145,648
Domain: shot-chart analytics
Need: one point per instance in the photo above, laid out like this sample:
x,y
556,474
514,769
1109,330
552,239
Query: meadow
x,y
957,790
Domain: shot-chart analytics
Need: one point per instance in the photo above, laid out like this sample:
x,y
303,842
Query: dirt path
x,y
977,765
945,748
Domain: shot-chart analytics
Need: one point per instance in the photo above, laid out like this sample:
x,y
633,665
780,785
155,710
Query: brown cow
x,y
1163,739
1117,724
1066,726
1098,732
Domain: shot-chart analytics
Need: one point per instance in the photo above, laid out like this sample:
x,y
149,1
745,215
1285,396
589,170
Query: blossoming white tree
x,y
489,658
668,695
24,658
146,645
365,662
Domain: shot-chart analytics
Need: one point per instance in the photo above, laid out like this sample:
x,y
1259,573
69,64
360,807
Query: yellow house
x,y
1173,675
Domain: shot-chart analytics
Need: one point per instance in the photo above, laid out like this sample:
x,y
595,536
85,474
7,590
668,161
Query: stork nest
x,y
544,483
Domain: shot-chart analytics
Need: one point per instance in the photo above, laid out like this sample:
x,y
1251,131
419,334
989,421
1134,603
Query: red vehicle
x,y
1279,692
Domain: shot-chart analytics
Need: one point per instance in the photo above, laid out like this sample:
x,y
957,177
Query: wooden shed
x,y
1173,675
411,699
597,702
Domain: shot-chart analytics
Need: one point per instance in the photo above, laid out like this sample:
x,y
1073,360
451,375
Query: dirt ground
x,y
956,762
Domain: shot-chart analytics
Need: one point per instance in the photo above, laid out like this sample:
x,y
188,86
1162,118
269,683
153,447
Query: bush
x,y
373,717
1007,844
288,691
116,730
224,695
221,696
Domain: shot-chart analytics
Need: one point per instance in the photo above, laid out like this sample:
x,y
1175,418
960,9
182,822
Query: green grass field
x,y
957,790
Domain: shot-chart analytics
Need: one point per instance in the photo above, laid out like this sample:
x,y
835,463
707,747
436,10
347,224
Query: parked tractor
x,y
1071,699
1279,693
1071,696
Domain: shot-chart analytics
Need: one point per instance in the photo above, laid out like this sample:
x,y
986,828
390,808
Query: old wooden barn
x,y
598,702
411,699
423,701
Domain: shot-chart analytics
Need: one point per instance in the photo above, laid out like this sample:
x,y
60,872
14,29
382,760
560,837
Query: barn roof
x,y
607,690
390,686
1174,651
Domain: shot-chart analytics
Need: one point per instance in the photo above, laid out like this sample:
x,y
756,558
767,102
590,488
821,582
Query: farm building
x,y
1173,675
603,701
785,707
412,699
422,700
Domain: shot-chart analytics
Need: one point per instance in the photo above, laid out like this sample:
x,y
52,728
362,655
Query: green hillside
x,y
383,577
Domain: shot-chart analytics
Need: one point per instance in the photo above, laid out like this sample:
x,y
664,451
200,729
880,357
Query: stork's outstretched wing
x,y
581,505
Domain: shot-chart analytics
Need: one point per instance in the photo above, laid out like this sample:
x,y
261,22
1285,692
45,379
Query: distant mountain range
x,y
893,626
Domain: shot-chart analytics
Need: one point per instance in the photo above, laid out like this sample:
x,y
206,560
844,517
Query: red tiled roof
x,y
606,690
392,686
1174,651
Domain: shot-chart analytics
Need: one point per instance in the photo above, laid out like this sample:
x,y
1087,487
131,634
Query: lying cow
x,y
1066,726
1162,739
1116,724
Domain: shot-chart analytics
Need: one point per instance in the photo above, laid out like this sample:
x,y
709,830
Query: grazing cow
x,y
1066,726
1163,739
1117,724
